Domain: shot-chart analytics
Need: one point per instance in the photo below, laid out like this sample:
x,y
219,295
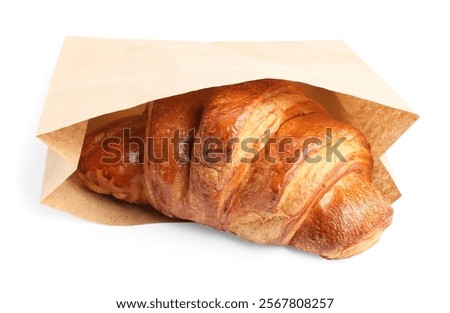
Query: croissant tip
x,y
358,247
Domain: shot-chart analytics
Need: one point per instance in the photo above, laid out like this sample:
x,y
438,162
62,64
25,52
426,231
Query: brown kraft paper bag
x,y
98,80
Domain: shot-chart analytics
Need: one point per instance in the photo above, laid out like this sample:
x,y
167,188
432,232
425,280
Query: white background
x,y
53,262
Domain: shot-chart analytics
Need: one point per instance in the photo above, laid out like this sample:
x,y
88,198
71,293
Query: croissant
x,y
258,159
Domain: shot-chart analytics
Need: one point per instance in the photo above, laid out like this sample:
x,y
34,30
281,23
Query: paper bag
x,y
97,80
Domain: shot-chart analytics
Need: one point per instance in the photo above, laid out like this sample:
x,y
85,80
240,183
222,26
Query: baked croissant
x,y
276,183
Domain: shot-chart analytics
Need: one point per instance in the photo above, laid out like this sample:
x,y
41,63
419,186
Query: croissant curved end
x,y
105,165
361,246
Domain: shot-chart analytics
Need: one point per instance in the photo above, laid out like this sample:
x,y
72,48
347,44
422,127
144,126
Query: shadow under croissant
x,y
245,244
205,231
189,226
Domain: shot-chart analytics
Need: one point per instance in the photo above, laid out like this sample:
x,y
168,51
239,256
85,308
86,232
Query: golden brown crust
x,y
347,220
108,166
267,193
